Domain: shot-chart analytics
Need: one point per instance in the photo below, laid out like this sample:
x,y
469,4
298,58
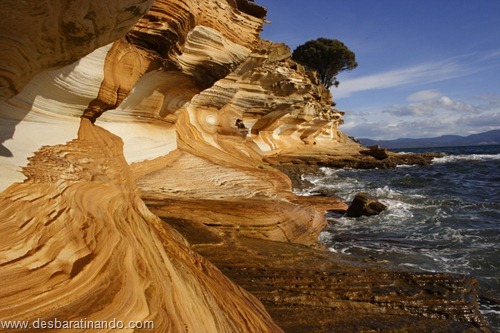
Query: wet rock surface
x,y
309,289
355,160
294,166
377,152
365,204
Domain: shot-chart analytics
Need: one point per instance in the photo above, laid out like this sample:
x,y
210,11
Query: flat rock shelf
x,y
309,289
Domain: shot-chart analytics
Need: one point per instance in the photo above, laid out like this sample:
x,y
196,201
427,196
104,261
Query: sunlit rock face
x,y
37,35
188,105
46,112
266,105
187,37
78,242
52,35
154,83
170,55
283,107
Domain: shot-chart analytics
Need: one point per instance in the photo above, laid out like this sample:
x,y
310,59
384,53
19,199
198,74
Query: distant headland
x,y
486,138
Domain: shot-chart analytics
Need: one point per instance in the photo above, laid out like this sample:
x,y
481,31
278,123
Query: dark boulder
x,y
365,204
376,152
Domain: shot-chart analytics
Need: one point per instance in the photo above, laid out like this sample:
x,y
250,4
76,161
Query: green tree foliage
x,y
326,56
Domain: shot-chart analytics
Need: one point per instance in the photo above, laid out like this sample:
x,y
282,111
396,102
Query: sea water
x,y
444,217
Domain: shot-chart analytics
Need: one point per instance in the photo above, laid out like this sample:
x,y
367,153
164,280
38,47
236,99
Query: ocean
x,y
444,217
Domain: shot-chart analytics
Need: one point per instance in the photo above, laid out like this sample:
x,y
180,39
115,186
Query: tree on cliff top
x,y
326,56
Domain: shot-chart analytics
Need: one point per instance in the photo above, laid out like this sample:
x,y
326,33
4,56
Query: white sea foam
x,y
484,312
303,192
398,211
324,236
328,171
426,227
387,192
472,157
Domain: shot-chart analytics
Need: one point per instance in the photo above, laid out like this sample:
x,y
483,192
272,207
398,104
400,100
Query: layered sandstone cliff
x,y
37,35
182,108
268,104
78,243
77,240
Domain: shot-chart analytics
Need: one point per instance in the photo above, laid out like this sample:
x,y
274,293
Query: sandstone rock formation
x,y
190,108
284,108
77,242
312,290
179,37
377,152
219,166
183,46
38,35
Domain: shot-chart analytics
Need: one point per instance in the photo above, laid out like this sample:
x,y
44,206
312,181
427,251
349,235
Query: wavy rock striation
x,y
175,50
268,104
283,106
79,243
44,34
185,37
198,105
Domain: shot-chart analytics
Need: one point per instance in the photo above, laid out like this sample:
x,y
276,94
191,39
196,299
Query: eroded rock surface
x,y
78,242
38,35
202,108
185,37
313,290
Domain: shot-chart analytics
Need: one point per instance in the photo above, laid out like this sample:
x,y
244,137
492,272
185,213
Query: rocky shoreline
x,y
310,289
180,105
296,165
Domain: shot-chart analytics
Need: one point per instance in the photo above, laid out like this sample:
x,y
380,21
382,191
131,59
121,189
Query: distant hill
x,y
486,138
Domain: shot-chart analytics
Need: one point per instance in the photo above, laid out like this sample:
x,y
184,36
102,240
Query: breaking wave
x,y
473,157
441,217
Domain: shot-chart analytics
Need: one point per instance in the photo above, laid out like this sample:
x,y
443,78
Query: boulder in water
x,y
376,152
365,204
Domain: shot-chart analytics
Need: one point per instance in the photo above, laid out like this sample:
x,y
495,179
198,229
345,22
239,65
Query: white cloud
x,y
414,109
430,118
492,55
430,106
451,105
446,102
490,102
418,74
415,128
486,121
424,95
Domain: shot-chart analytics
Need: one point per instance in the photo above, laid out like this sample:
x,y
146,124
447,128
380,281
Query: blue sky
x,y
426,68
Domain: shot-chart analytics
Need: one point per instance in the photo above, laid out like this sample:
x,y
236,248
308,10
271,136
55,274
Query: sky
x,y
425,67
